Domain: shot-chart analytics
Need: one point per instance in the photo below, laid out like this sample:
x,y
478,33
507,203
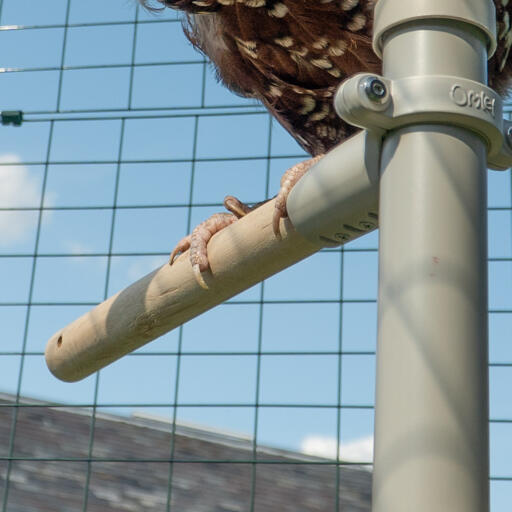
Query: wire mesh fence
x,y
128,142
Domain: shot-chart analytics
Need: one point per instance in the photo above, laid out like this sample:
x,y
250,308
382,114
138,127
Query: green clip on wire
x,y
14,117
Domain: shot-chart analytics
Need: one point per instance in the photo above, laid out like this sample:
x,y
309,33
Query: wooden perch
x,y
241,255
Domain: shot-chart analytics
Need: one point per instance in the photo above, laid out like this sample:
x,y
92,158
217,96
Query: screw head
x,y
375,89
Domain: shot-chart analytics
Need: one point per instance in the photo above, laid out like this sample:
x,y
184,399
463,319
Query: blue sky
x,y
153,166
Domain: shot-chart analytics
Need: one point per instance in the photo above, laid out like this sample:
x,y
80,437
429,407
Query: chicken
x,y
291,55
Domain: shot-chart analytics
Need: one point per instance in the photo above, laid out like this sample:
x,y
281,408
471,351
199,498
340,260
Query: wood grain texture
x,y
241,255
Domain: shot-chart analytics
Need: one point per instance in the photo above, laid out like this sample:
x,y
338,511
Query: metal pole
x,y
431,417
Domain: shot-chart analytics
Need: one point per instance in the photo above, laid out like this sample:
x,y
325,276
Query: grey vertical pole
x,y
431,417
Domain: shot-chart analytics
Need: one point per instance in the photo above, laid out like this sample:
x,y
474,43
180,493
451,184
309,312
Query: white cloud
x,y
357,450
77,248
17,188
319,446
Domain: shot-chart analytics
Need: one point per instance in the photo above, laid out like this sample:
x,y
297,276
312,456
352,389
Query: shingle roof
x,y
130,467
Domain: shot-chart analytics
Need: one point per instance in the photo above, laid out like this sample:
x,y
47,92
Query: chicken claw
x,y
289,179
198,240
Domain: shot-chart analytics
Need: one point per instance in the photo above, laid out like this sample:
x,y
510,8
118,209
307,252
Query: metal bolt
x,y
375,89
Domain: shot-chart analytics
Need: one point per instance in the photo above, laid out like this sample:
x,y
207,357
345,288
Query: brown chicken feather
x,y
292,54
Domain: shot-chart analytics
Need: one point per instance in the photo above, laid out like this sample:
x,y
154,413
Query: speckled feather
x,y
292,55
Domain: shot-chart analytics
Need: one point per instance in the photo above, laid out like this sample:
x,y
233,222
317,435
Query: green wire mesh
x,y
61,132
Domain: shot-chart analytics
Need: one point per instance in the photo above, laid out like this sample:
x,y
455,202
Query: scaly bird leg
x,y
198,240
288,181
201,235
